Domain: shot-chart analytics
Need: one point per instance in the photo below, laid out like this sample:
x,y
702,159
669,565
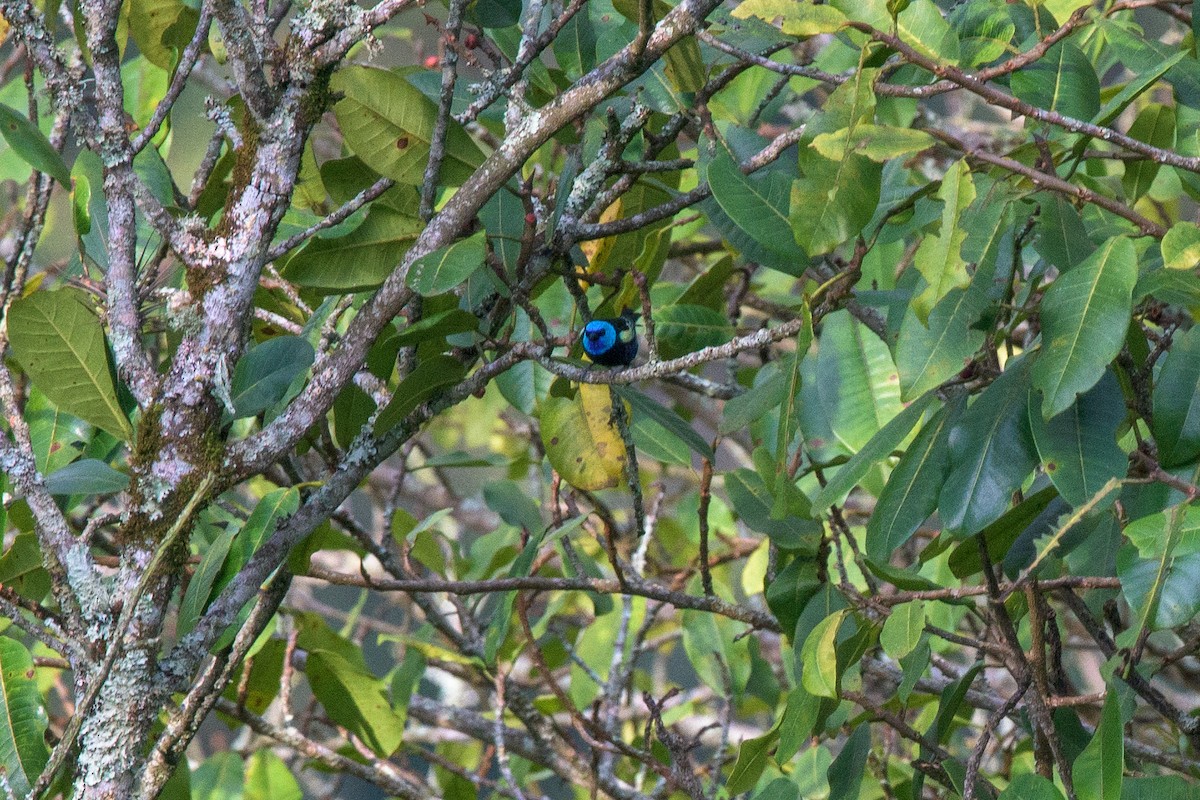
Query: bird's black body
x,y
612,342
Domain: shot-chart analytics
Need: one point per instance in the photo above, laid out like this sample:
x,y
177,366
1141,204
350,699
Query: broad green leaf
x,y
796,19
755,504
23,751
1160,586
359,260
858,383
1181,246
876,142
355,699
874,452
444,269
31,145
575,46
1000,536
1031,786
1063,80
911,493
764,396
1155,125
984,33
818,656
199,588
268,778
59,342
1062,238
263,375
903,628
388,123
57,438
644,405
1099,769
758,205
837,197
435,326
161,29
514,505
220,777
1176,420
791,589
931,353
86,476
939,257
847,770
571,445
922,27
1085,314
500,607
683,329
431,376
789,417
795,726
991,453
1078,448
752,758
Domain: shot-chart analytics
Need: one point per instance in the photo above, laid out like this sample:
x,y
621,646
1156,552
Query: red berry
x,y
471,41
431,61
530,218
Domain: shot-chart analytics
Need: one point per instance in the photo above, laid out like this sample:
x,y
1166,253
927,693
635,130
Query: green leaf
x,y
1062,238
23,752
922,26
857,381
876,142
795,726
752,758
755,504
836,197
874,452
161,29
1063,80
86,476
683,329
1155,125
929,354
1176,420
355,699
818,656
903,628
764,396
575,46
847,770
263,375
447,267
514,505
359,260
644,405
758,205
796,19
1159,576
1078,448
59,342
431,376
199,588
388,123
1000,536
268,778
57,438
31,145
501,608
220,777
1085,314
1181,246
791,589
939,258
1100,767
910,495
1031,786
991,453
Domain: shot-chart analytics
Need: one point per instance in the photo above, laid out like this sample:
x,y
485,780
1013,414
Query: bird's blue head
x,y
599,336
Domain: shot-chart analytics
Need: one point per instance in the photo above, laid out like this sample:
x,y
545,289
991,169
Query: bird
x,y
612,341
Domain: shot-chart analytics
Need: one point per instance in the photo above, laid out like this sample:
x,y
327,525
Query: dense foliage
x,y
308,486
